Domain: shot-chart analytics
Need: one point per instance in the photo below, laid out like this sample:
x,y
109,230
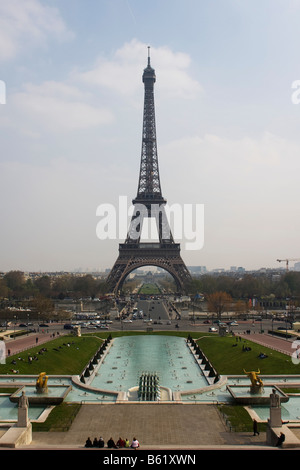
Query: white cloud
x,y
241,181
24,23
59,107
250,191
74,103
122,73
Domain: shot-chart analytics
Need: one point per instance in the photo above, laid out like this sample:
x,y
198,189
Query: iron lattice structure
x,y
149,182
149,202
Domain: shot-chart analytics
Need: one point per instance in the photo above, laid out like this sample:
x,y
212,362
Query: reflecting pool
x,y
167,356
9,410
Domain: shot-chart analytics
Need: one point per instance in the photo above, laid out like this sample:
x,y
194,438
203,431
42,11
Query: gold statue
x,y
255,380
41,383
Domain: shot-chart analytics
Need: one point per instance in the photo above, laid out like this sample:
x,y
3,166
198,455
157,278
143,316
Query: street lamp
x,y
15,319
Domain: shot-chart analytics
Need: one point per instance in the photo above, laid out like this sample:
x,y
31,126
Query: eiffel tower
x,y
149,202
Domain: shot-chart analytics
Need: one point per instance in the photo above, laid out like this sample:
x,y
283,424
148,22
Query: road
x,y
162,318
153,309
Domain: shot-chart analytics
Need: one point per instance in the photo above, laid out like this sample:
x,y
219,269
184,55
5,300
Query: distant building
x,y
197,269
296,266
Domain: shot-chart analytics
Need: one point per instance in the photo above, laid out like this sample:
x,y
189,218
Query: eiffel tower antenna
x,y
149,202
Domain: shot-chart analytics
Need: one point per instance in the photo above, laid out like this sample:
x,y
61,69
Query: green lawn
x,y
228,358
150,289
59,358
238,419
225,354
60,418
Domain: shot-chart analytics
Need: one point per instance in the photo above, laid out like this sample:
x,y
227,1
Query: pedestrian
x,y
111,443
255,428
120,442
101,442
281,439
88,443
135,443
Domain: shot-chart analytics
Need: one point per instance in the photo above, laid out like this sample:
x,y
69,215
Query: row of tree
x,y
14,285
250,286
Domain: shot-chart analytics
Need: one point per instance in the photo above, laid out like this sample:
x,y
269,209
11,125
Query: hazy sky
x,y
227,128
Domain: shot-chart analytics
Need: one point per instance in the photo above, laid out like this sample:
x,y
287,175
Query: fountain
x,y
257,394
149,389
41,383
41,394
256,382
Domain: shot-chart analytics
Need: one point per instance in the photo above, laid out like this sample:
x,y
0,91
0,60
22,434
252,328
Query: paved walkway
x,y
280,344
156,426
29,341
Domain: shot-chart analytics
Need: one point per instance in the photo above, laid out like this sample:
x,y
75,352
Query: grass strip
x,y
60,418
238,419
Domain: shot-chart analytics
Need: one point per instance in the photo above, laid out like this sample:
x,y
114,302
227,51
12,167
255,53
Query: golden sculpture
x,y
255,380
41,383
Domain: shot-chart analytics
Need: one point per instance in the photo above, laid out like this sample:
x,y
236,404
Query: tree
x,y
218,301
43,285
15,281
85,286
241,306
42,306
3,289
292,279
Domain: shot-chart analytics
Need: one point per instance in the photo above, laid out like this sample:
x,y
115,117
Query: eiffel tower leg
x,y
116,275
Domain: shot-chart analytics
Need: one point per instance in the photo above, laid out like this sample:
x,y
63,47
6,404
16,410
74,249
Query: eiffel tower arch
x,y
149,202
168,259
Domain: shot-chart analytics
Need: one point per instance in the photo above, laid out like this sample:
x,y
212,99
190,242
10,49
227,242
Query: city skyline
x,y
227,126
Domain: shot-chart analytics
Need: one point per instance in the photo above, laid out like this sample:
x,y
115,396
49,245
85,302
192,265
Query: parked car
x,y
212,329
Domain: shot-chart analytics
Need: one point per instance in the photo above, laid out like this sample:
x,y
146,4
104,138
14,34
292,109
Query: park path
x,y
283,345
13,346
